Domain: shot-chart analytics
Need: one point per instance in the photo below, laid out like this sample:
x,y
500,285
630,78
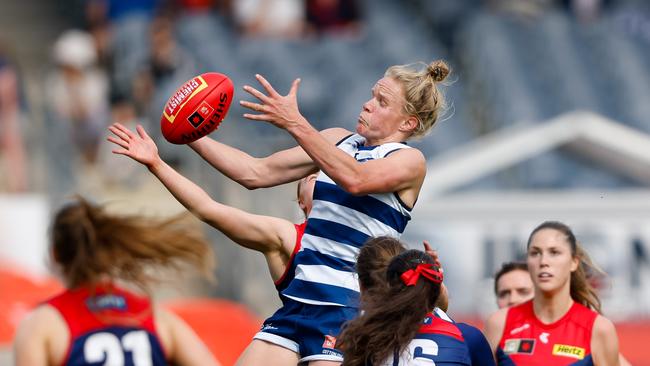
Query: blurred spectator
x,y
270,18
634,19
198,6
168,66
116,10
117,172
341,17
586,10
524,9
119,28
77,92
13,177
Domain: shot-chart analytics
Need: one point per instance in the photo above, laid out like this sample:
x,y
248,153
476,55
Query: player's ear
x,y
410,124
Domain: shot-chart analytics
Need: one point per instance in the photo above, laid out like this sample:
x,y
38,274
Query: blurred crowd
x,y
120,60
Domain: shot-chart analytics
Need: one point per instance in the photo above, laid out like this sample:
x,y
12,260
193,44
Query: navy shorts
x,y
309,330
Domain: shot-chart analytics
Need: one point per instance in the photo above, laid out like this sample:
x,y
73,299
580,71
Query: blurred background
x,y
549,119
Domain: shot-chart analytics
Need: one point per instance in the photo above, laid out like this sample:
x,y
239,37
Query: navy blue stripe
x,y
311,257
368,205
503,359
451,351
345,138
336,232
368,148
399,199
322,292
587,361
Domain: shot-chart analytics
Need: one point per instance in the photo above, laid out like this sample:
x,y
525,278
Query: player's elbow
x,y
251,185
258,175
355,187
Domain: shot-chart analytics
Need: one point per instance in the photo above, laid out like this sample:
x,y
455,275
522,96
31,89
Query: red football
x,y
196,108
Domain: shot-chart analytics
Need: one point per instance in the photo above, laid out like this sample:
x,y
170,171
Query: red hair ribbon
x,y
410,277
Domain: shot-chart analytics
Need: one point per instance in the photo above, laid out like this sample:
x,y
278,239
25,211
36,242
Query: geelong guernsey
x,y
338,225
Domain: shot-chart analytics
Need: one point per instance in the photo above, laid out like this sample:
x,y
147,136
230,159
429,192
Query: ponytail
x,y
392,315
90,245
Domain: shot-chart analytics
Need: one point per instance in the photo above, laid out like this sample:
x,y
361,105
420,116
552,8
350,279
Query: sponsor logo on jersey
x,y
544,337
106,302
330,342
568,351
520,329
518,345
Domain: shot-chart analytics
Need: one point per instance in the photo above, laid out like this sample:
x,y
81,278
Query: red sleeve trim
x,y
300,229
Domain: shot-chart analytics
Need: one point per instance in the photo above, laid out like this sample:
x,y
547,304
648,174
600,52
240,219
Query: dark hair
x,y
373,260
508,267
90,245
391,316
581,290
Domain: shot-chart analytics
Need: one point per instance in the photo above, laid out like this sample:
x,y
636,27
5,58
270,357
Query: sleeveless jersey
x,y
527,341
109,327
441,342
338,225
290,270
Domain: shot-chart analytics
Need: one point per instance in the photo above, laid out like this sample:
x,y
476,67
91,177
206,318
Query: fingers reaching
x,y
256,93
294,87
433,253
427,246
142,133
280,110
267,86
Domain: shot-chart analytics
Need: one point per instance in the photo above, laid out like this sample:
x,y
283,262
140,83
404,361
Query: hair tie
x,y
410,277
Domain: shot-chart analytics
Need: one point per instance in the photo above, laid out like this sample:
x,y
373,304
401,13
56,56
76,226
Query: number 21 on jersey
x,y
112,350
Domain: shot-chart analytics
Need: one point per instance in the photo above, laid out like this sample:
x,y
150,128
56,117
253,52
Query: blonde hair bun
x,y
438,70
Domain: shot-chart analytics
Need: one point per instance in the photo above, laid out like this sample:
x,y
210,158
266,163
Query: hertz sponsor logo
x,y
568,351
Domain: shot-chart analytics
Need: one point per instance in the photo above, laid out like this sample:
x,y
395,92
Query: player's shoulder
x,y
468,329
498,318
43,320
335,134
603,327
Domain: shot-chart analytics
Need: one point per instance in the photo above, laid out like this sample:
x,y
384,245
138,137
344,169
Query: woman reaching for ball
x,y
276,238
369,182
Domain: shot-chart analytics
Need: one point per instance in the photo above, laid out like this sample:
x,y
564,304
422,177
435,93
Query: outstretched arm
x,y
261,233
402,170
279,168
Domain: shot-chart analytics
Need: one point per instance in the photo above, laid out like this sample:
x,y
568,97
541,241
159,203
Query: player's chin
x,y
361,128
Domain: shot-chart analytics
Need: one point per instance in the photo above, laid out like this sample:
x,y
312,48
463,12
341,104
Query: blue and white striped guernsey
x,y
338,225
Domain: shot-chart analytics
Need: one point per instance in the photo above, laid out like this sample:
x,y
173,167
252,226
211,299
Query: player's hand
x,y
139,147
433,253
281,110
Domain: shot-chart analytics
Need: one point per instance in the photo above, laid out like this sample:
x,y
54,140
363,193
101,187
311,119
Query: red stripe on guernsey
x,y
300,229
440,326
562,342
72,305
